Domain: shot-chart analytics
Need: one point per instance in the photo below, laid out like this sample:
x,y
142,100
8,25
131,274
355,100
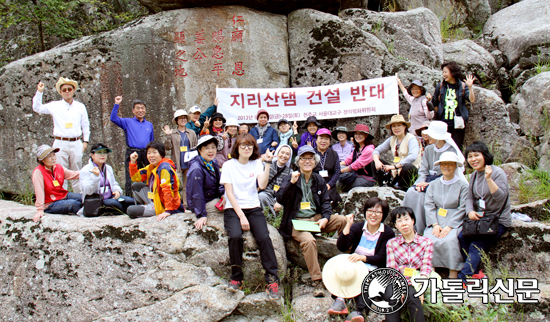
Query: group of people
x,y
250,173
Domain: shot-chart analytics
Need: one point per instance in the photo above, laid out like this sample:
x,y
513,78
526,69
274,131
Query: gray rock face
x,y
473,58
311,309
520,29
276,6
68,268
456,13
533,104
516,174
538,210
156,59
326,49
413,34
525,250
489,122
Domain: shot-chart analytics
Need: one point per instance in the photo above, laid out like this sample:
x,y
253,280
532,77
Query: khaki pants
x,y
70,157
211,206
309,244
183,180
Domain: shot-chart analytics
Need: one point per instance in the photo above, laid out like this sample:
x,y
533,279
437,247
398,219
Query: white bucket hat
x,y
194,109
231,121
438,131
177,114
344,278
449,157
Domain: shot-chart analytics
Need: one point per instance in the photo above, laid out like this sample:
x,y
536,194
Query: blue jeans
x,y
69,205
474,245
118,207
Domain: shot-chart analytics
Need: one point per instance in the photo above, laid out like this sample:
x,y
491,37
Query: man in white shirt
x,y
70,122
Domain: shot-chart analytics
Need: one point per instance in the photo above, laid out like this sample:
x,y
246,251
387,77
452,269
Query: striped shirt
x,y
367,243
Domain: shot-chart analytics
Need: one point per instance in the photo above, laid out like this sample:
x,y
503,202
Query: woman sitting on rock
x,y
366,241
280,169
98,177
405,151
205,190
445,211
440,141
241,176
266,136
47,179
487,195
329,165
358,164
159,195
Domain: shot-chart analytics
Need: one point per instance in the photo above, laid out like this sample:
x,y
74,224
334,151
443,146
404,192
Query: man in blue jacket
x,y
197,120
138,131
203,187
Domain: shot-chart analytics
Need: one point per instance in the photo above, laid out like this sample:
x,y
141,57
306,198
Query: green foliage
x,y
31,26
450,32
377,27
542,65
534,186
273,221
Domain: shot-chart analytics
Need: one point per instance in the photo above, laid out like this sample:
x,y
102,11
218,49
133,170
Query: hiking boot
x,y
234,286
339,307
355,316
318,288
272,290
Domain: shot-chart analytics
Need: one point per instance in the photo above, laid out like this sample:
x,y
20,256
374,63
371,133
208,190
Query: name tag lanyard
x,y
481,201
55,182
306,191
444,202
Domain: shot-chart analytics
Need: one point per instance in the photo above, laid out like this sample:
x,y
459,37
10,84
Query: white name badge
x,y
260,140
323,173
433,173
482,203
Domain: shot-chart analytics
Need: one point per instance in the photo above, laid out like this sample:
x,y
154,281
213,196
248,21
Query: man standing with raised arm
x,y
70,122
138,131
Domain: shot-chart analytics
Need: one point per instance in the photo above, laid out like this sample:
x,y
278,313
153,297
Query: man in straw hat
x,y
138,131
304,196
70,122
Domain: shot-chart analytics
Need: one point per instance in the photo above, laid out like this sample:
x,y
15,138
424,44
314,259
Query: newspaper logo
x,y
385,290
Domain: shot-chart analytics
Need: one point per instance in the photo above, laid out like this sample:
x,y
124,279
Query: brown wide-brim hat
x,y
44,150
397,119
65,81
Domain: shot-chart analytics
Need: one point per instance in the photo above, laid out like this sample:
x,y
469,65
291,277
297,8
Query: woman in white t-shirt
x,y
241,177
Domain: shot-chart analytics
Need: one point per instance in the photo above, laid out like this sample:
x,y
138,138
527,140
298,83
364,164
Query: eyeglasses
x,y
66,90
378,213
246,146
307,159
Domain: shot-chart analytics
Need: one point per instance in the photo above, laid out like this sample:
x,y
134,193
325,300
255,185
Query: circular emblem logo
x,y
385,290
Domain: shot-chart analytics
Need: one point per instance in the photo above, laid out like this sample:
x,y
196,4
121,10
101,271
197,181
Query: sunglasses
x,y
66,90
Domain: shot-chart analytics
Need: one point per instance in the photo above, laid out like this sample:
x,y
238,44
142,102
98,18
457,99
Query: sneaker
x,y
318,288
479,275
273,290
339,307
355,316
234,286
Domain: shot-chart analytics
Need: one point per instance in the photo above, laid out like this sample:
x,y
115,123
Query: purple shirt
x,y
343,152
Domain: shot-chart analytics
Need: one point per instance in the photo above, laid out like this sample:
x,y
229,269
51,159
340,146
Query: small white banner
x,y
377,96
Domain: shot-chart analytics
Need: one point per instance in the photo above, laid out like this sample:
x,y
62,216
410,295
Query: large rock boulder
x,y
171,60
275,6
520,31
455,13
326,49
68,268
489,122
533,104
473,58
413,35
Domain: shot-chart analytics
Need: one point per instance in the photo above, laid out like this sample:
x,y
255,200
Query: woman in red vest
x,y
47,179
